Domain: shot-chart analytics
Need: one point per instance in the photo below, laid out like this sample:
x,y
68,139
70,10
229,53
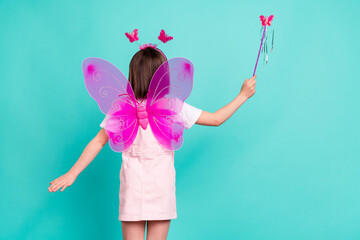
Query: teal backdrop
x,y
285,166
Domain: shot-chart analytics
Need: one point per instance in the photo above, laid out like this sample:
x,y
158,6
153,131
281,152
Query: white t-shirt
x,y
190,115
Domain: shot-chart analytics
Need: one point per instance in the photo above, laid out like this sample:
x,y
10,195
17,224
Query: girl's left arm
x,y
87,156
220,116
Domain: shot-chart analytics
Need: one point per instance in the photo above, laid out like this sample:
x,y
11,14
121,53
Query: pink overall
x,y
147,175
147,180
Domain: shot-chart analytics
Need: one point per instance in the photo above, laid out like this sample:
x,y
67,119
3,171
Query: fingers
x,y
252,83
252,80
63,182
65,186
58,186
248,87
55,186
51,186
56,180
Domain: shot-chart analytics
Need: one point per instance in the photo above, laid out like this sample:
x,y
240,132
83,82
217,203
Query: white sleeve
x,y
102,124
190,115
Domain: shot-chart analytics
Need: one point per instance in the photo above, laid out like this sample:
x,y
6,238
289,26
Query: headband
x,y
163,37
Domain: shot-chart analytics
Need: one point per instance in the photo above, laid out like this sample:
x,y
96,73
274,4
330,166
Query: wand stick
x,y
262,39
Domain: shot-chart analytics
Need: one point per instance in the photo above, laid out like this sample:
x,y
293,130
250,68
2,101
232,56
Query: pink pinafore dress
x,y
147,175
147,180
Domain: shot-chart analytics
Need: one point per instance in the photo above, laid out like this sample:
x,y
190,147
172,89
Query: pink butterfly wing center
x,y
142,116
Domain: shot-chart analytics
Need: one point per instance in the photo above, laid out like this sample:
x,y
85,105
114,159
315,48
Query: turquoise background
x,y
285,166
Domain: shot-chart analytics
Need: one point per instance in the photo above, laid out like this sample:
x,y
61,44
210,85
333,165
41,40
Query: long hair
x,y
142,67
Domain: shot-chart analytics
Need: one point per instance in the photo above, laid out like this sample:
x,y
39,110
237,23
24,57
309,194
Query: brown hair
x,y
142,67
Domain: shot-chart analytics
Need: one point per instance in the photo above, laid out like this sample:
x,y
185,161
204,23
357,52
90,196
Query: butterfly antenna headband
x,y
133,37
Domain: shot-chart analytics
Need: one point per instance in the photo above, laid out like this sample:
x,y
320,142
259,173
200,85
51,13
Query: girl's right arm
x,y
89,153
220,116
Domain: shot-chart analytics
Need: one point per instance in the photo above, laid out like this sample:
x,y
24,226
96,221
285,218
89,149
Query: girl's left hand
x,y
64,181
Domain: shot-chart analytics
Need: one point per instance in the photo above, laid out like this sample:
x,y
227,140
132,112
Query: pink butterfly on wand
x,y
170,86
265,22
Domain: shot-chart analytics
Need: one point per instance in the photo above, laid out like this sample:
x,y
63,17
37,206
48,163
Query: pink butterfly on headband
x,y
164,37
133,36
169,87
266,21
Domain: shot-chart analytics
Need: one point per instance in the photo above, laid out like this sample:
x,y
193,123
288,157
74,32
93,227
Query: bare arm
x,y
87,156
220,116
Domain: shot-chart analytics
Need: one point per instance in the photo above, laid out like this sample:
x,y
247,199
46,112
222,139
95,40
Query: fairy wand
x,y
265,21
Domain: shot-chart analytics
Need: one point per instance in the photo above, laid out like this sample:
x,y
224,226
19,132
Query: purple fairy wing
x,y
115,97
170,86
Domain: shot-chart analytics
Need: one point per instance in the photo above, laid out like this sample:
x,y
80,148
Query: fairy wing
x,y
115,97
170,86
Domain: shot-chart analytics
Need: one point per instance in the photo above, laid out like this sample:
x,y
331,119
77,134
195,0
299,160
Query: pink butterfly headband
x,y
163,37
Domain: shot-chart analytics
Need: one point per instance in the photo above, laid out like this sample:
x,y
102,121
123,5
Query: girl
x,y
147,175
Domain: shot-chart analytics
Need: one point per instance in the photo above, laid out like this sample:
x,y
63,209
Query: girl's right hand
x,y
248,87
64,181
